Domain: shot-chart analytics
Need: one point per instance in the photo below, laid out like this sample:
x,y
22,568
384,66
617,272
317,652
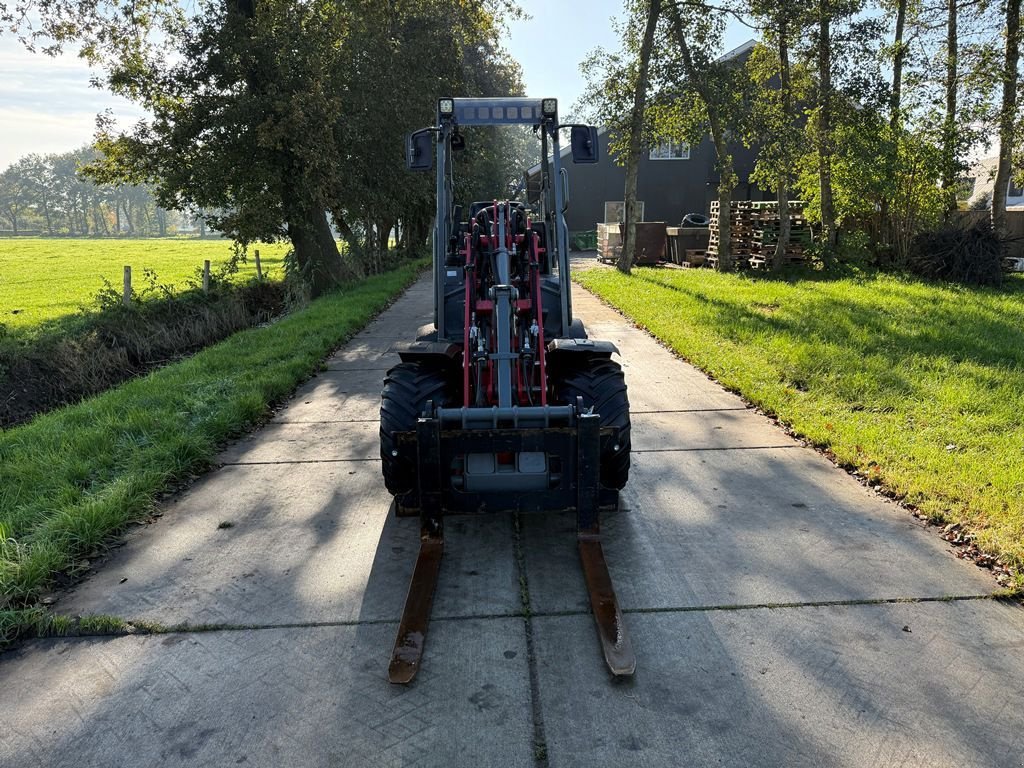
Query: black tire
x,y
407,388
601,384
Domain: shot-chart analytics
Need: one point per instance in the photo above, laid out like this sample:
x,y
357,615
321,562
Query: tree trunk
x,y
824,130
724,161
83,209
726,183
783,182
351,241
103,220
316,251
384,227
636,129
887,225
400,236
899,57
46,213
1007,113
949,133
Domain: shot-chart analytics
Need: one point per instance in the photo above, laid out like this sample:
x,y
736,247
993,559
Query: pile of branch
x,y
972,255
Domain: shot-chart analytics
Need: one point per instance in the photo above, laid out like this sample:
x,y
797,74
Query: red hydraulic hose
x,y
538,313
466,351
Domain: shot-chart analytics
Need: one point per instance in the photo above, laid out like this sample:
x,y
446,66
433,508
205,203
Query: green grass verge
x,y
918,385
46,278
72,478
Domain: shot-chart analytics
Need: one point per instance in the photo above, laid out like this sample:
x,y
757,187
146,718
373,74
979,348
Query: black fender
x,y
442,352
569,349
576,330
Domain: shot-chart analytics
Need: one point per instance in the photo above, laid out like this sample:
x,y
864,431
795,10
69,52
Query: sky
x,y
551,45
48,105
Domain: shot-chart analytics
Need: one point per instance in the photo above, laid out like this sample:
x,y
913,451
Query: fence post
x,y
206,276
126,297
259,267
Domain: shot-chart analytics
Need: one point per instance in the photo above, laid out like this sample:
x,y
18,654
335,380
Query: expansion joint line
x,y
540,744
148,627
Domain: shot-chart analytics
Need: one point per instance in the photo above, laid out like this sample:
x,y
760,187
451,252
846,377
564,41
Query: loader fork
x,y
611,630
412,631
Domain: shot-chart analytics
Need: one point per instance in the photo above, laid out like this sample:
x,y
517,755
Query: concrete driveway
x,y
781,613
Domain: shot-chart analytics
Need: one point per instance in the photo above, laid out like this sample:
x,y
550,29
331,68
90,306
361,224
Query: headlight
x,y
446,107
549,107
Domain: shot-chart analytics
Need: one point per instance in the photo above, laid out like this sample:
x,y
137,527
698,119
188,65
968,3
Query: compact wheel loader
x,y
506,405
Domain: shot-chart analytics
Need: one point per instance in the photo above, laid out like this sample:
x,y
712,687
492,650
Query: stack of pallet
x,y
754,229
609,242
741,232
768,226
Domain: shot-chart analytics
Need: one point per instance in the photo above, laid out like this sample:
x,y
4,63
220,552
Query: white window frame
x,y
615,211
670,150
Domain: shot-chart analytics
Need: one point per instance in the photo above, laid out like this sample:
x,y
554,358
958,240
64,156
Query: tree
x,y
270,114
950,81
39,181
775,125
710,96
15,193
1009,126
635,134
823,123
951,164
422,51
244,124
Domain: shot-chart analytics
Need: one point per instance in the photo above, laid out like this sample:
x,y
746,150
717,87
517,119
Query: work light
x,y
446,107
549,107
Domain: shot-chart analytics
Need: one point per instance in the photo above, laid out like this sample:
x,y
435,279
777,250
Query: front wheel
x,y
407,388
601,384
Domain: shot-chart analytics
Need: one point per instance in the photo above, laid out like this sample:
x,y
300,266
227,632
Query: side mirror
x,y
583,140
419,150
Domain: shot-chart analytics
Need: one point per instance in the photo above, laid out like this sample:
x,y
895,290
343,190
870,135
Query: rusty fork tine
x,y
618,650
412,632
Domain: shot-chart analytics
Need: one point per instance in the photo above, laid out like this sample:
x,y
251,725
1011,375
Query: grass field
x,y
43,279
920,386
71,478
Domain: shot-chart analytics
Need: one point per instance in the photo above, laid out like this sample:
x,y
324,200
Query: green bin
x,y
584,241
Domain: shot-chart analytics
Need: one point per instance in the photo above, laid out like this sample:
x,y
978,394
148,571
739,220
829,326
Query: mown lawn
x,y
72,478
920,386
47,278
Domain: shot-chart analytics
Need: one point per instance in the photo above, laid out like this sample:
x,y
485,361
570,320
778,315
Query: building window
x,y
1015,190
670,150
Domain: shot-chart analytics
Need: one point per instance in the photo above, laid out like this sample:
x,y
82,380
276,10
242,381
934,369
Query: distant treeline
x,y
51,195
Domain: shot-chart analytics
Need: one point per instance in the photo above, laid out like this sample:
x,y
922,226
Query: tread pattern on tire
x,y
407,388
602,385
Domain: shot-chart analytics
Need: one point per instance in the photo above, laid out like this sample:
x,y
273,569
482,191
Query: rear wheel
x,y
602,386
407,388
